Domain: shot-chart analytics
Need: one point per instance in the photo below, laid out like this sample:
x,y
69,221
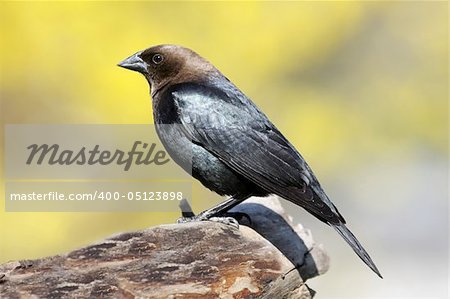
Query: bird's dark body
x,y
194,158
216,133
227,111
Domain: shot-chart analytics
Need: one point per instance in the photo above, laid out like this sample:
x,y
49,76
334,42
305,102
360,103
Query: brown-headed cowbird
x,y
235,149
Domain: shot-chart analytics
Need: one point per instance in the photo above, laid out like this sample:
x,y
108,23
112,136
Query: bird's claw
x,y
239,216
226,220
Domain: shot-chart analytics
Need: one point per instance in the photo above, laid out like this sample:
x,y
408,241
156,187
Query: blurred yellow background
x,y
360,88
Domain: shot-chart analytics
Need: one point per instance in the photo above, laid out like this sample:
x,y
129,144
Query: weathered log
x,y
189,260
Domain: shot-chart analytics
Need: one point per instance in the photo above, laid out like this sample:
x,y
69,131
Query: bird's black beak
x,y
135,63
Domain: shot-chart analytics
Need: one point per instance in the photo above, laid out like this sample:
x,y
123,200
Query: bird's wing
x,y
246,141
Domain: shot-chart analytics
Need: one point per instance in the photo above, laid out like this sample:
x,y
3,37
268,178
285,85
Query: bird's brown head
x,y
168,64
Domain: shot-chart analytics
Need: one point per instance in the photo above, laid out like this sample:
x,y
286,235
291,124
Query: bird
x,y
215,132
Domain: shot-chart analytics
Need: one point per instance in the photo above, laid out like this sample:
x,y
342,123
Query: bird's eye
x,y
157,58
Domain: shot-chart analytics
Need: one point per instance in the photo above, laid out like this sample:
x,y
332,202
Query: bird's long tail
x,y
357,247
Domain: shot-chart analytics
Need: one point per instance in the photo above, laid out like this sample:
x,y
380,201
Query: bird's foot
x,y
188,219
231,218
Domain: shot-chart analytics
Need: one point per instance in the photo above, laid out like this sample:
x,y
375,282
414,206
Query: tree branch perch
x,y
190,260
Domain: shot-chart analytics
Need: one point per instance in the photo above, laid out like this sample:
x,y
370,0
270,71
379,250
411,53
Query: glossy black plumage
x,y
235,149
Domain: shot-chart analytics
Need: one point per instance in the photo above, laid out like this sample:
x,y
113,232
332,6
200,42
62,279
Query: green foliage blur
x,y
344,81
